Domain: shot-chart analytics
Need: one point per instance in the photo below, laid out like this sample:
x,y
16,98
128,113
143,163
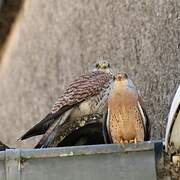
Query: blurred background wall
x,y
54,41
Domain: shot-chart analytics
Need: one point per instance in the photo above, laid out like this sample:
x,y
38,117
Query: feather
x,y
43,125
50,134
81,89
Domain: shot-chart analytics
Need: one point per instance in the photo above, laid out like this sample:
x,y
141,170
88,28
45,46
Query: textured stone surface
x,y
58,40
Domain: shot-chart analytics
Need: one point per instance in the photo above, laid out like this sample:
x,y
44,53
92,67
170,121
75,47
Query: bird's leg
x,y
131,141
121,141
126,142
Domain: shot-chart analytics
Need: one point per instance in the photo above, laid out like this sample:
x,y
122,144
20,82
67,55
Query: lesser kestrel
x,y
126,121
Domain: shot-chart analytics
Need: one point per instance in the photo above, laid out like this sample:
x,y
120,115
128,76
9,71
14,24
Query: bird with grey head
x,y
85,96
103,66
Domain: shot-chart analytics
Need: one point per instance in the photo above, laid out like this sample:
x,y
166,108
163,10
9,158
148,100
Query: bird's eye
x,y
125,75
97,65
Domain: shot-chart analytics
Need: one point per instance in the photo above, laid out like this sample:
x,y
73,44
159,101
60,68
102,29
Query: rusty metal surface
x,y
98,162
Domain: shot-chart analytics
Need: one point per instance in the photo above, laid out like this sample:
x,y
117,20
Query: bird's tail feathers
x,y
48,136
52,131
42,126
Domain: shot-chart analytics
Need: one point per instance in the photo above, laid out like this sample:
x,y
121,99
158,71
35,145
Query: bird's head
x,y
103,66
121,77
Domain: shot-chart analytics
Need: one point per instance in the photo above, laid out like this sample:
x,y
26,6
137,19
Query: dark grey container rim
x,y
81,150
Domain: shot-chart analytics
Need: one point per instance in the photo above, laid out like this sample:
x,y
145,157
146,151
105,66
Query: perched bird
x,y
86,95
126,120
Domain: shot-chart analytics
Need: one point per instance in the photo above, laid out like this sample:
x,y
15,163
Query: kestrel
x,y
126,120
86,95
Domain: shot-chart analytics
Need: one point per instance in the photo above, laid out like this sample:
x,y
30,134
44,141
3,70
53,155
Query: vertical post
x,y
159,158
12,164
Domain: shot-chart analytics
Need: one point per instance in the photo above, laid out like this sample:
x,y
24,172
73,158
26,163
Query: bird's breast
x,y
123,114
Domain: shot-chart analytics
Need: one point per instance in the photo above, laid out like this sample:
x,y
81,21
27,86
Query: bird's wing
x,y
56,133
105,128
52,131
89,134
81,89
42,126
145,118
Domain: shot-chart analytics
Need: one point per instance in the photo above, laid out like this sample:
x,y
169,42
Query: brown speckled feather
x,y
82,88
95,102
86,86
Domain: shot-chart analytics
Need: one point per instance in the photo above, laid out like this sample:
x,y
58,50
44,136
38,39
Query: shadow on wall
x,y
9,10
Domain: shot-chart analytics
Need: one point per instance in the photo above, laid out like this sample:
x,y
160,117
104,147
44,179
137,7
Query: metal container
x,y
97,162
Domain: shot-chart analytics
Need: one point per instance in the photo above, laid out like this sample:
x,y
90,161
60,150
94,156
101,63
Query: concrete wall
x,y
56,40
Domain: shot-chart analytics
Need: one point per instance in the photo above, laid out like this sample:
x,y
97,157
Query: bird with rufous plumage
x,y
125,119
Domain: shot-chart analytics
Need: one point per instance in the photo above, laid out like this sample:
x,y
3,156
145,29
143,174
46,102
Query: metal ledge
x,y
97,162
